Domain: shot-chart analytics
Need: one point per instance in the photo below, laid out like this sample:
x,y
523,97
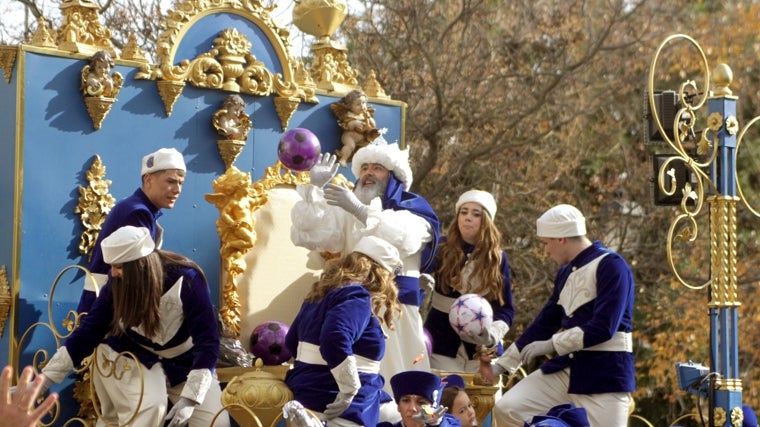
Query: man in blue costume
x,y
163,174
587,322
333,218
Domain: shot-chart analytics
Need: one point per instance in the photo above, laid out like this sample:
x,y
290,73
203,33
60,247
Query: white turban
x,y
126,244
483,198
561,221
163,159
388,155
380,251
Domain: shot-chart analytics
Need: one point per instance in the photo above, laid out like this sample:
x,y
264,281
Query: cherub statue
x,y
355,117
97,79
231,121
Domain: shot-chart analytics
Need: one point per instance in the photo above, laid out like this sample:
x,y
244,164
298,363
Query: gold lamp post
x,y
701,166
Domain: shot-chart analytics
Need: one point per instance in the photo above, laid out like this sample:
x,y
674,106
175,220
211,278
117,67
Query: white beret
x,y
483,198
380,251
126,244
388,155
163,159
561,221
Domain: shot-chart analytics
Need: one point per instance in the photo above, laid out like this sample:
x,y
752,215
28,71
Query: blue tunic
x,y
446,340
136,210
194,321
599,319
340,325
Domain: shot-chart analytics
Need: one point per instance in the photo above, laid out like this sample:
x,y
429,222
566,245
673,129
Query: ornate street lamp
x,y
709,159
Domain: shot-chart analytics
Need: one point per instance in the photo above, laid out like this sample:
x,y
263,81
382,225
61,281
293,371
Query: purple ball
x,y
428,342
268,343
299,149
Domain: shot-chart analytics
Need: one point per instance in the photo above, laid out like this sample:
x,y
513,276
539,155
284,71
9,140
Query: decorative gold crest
x,y
81,30
94,205
7,59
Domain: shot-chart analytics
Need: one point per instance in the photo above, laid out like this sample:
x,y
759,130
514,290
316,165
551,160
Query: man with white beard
x,y
333,218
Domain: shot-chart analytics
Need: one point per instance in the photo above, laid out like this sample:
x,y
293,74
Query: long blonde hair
x,y
486,258
359,268
137,294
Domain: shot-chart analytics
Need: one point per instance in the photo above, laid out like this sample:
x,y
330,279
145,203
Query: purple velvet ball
x,y
268,343
299,149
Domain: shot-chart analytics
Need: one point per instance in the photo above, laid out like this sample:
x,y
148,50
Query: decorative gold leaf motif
x,y
7,59
94,205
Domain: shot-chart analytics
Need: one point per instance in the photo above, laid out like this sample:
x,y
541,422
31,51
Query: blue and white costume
x,y
404,219
589,319
183,353
446,341
323,337
136,210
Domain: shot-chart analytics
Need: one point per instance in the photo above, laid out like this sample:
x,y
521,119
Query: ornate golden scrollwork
x,y
100,87
6,300
229,65
94,205
237,199
81,30
42,36
7,59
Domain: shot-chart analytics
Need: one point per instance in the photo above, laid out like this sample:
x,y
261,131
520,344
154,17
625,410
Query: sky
x,y
13,16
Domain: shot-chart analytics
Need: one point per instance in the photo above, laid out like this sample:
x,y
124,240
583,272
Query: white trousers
x,y
460,363
539,392
120,394
405,347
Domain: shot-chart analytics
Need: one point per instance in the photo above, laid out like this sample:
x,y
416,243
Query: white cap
x,y
483,198
561,221
388,155
126,244
163,159
380,251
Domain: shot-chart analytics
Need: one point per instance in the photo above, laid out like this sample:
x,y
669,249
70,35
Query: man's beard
x,y
366,194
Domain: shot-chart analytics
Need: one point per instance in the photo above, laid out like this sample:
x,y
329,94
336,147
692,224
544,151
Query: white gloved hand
x,y
341,403
484,338
535,349
430,416
323,171
342,196
181,412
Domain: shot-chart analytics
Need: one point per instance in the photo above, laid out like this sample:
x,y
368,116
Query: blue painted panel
x,y
8,96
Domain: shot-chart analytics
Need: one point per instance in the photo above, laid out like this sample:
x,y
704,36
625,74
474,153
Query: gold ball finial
x,y
722,77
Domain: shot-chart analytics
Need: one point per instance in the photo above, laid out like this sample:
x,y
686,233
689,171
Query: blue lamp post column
x,y
726,386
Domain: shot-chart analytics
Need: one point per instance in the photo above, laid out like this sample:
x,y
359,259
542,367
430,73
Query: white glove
x,y
484,338
181,412
535,349
347,377
341,403
430,416
324,171
342,196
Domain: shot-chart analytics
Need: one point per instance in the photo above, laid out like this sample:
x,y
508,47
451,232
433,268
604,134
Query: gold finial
x,y
42,36
320,18
372,87
722,77
132,51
